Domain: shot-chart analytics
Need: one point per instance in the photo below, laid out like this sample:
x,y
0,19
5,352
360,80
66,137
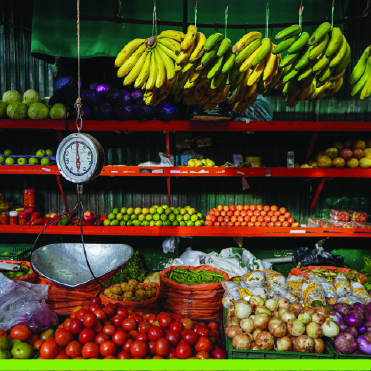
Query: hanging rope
x,y
267,19
154,18
78,104
196,3
332,13
226,18
301,9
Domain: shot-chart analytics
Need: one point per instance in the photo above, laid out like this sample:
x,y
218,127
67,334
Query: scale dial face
x,y
80,158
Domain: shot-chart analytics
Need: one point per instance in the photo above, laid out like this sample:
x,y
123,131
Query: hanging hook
x,y
216,26
196,4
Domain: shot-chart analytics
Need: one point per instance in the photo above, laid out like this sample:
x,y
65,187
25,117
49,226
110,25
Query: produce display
x,y
352,154
346,216
361,76
155,216
201,162
41,157
331,274
328,223
250,216
130,291
366,270
23,272
194,277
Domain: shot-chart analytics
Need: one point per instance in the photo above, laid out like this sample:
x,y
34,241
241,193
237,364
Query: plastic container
x,y
339,215
338,355
31,197
13,218
23,217
358,216
15,252
25,198
4,218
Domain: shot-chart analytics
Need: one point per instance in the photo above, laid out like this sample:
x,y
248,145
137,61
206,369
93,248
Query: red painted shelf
x,y
184,171
191,231
186,125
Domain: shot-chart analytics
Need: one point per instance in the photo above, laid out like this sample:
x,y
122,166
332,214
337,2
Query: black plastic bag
x,y
316,257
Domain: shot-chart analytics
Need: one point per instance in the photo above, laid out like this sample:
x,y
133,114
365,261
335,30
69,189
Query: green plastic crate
x,y
271,354
338,355
17,252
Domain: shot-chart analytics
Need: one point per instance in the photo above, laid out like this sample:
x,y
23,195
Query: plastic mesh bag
x,y
342,286
312,291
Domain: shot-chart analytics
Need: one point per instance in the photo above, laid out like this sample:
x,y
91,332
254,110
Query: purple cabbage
x,y
137,96
342,308
102,89
89,97
103,111
362,330
345,343
86,115
126,96
124,110
113,96
368,306
144,112
368,316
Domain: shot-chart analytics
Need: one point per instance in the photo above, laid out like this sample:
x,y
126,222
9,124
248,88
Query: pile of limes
x,y
155,216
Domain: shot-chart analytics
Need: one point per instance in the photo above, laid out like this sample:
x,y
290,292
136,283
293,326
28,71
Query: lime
x,y
141,217
149,217
190,224
30,271
179,207
165,206
6,253
19,274
122,223
25,268
155,206
119,216
163,217
199,223
152,223
172,208
137,223
179,218
123,210
129,223
138,210
168,211
317,303
187,217
183,211
115,210
175,223
160,210
191,211
114,223
159,223
126,217
182,224
134,217
194,218
167,223
156,217
171,217
130,211
111,216
145,223
187,207
200,216
106,222
152,210
145,211
176,211
11,275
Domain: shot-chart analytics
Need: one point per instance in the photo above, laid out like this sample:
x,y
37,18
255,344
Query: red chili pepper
x,y
39,221
28,222
35,216
75,220
47,220
103,217
87,224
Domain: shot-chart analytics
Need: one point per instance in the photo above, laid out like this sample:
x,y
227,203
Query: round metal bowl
x,y
65,264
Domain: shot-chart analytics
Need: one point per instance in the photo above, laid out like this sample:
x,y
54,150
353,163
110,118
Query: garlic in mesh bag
x,y
348,300
312,290
294,285
273,277
327,286
256,276
360,292
342,286
247,290
278,291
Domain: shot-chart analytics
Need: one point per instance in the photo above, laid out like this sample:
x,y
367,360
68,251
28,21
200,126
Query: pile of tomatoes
x,y
114,332
250,216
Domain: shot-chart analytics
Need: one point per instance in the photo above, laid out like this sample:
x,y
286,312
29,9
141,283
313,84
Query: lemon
x,y
123,210
190,223
149,217
111,216
106,222
115,210
134,217
160,210
137,223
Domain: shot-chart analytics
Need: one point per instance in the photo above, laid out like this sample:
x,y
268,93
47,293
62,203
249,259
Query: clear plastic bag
x,y
360,292
165,161
312,291
294,285
256,276
254,289
342,286
24,303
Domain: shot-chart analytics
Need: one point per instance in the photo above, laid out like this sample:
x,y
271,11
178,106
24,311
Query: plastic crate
x,y
338,355
17,252
271,354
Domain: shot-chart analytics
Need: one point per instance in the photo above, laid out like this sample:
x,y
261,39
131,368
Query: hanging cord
x,y
78,104
332,13
196,3
226,18
154,18
117,12
301,9
267,19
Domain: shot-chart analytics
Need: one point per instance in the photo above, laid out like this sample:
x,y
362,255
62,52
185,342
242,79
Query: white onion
x,y
309,310
319,346
261,321
232,331
330,329
271,304
241,341
314,330
256,333
265,340
304,317
283,303
247,325
233,322
276,314
230,310
283,344
256,301
296,308
252,317
254,346
287,316
295,327
242,310
322,310
318,318
263,310
303,344
277,327
282,311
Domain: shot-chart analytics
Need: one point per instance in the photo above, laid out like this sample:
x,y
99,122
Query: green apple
x,y
115,210
45,161
10,161
2,159
123,210
5,354
119,216
106,222
138,211
22,161
22,351
198,163
33,161
8,152
40,153
49,152
111,216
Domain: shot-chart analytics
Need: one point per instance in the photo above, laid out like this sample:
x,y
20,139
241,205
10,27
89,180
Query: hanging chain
x,y
301,9
267,19
78,104
196,3
226,18
332,13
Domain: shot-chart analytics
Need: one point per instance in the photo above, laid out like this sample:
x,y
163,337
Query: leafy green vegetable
x,y
367,272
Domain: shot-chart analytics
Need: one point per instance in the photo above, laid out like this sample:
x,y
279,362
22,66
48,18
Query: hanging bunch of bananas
x,y
150,64
361,76
314,66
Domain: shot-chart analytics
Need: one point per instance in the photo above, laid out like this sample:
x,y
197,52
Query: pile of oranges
x,y
250,216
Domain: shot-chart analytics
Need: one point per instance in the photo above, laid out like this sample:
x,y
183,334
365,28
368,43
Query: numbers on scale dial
x,y
86,158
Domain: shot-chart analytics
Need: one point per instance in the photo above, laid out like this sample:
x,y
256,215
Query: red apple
x,y
346,154
358,153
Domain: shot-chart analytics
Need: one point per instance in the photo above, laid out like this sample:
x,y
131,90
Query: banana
x,y
161,70
229,60
285,44
223,47
151,82
190,38
360,67
208,56
170,44
167,51
238,80
127,51
171,34
260,85
187,67
199,47
337,86
340,68
257,72
304,61
246,40
135,71
215,68
319,48
248,62
168,63
289,59
212,41
246,52
306,72
144,73
324,75
184,55
218,80
263,51
288,32
205,71
130,63
232,75
276,79
321,30
269,69
299,43
169,87
303,94
362,81
366,91
339,55
335,42
290,76
193,76
322,63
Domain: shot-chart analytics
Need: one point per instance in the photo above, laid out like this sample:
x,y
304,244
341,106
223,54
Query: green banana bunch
x,y
360,67
361,76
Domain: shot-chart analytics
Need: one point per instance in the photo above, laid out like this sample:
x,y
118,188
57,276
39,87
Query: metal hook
x,y
158,25
217,26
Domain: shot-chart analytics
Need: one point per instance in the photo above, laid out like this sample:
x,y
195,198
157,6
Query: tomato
x,y
214,332
227,220
108,348
223,214
87,335
213,219
217,224
219,354
66,323
220,207
135,317
132,334
37,344
250,224
61,351
90,319
119,337
75,326
287,215
50,340
202,331
212,326
110,311
162,347
277,214
232,208
203,355
80,314
278,224
203,343
233,219
73,349
139,349
282,210
128,344
49,350
187,323
267,219
190,337
124,355
141,336
98,328
243,224
21,332
257,213
176,327
271,224
173,338
90,350
63,337
226,208
144,327
129,324
274,208
110,357
183,351
94,308
253,219
267,208
274,219
62,356
122,312
102,337
32,339
152,348
295,225
286,224
217,213
281,218
237,213
109,330
291,220
95,301
101,315
155,332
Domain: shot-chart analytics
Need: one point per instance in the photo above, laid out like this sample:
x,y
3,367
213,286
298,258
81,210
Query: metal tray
x,y
65,264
